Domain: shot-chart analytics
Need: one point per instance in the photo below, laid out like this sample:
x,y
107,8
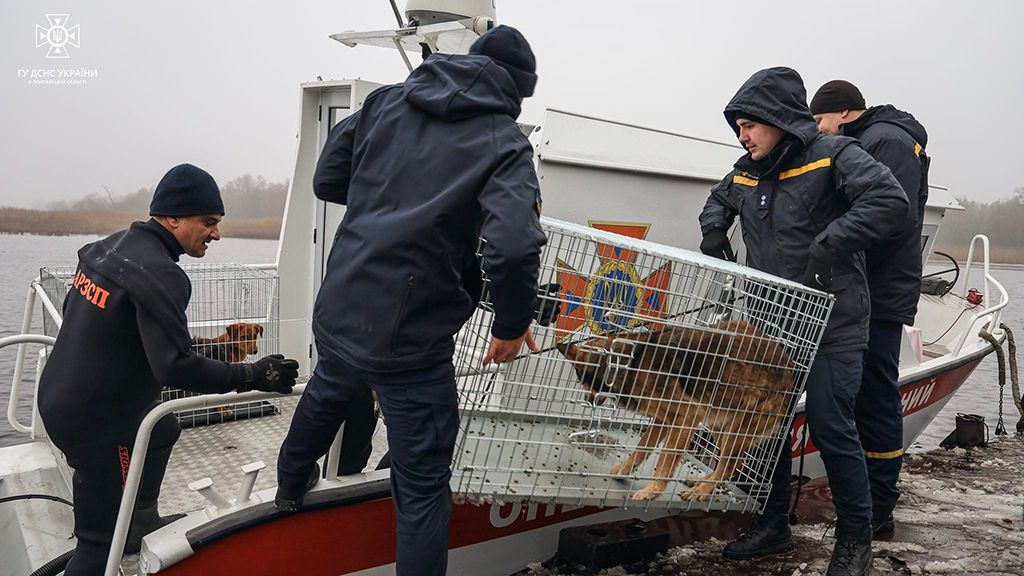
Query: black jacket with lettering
x,y
822,196
426,168
896,139
124,336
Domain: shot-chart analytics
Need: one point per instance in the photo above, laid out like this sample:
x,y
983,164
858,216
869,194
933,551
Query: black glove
x,y
549,305
818,275
270,374
716,243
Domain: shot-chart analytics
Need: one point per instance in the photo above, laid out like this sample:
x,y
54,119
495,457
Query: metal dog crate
x,y
642,323
222,295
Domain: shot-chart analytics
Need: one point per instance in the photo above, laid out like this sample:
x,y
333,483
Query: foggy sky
x,y
217,83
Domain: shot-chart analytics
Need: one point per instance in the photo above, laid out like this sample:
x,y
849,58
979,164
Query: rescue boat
x,y
633,180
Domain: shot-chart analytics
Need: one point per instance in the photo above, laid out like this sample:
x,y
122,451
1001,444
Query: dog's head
x,y
243,337
590,360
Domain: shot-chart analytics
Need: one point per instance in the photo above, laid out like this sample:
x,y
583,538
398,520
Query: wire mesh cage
x,y
669,379
232,316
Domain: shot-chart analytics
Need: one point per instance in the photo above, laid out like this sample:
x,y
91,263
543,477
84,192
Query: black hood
x,y
458,87
890,115
778,96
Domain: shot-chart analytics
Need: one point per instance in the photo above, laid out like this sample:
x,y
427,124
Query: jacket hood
x,y
455,87
890,115
778,96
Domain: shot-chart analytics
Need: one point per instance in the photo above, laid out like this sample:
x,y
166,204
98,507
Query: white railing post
x,y
19,364
12,405
996,309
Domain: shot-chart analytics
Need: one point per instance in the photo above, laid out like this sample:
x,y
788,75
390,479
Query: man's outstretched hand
x,y
501,351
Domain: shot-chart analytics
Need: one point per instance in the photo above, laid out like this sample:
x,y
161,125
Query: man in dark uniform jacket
x,y
809,204
426,168
896,139
124,337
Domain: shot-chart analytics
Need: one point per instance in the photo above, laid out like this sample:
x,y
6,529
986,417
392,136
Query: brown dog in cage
x,y
236,343
731,377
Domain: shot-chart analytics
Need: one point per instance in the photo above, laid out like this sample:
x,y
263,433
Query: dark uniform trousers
x,y
421,412
97,485
879,415
832,386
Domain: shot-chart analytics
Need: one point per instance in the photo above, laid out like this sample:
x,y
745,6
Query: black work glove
x,y
270,374
818,275
549,306
716,243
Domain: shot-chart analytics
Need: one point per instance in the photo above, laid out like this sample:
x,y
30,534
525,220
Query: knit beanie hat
x,y
510,50
186,191
747,116
836,96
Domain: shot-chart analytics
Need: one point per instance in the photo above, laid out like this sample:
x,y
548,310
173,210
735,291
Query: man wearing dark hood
x,y
426,169
896,139
124,337
809,205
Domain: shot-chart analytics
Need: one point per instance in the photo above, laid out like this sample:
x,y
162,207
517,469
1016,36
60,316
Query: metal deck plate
x,y
219,451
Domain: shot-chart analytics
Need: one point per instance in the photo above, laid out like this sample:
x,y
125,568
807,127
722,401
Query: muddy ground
x,y
961,512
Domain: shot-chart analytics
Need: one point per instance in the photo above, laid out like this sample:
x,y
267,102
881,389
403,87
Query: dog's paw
x,y
651,491
699,493
621,469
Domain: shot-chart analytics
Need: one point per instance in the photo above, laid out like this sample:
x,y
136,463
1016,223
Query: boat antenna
x,y
398,15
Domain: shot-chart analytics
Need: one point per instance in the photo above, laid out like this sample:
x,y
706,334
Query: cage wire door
x,y
669,380
232,316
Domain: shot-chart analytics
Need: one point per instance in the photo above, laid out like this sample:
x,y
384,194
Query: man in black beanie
x,y
896,139
808,204
124,337
426,168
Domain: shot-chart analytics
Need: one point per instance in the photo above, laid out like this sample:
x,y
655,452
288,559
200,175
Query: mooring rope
x,y
1001,358
1011,346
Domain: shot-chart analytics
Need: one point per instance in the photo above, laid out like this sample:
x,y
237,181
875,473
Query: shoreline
x,y
72,223
101,223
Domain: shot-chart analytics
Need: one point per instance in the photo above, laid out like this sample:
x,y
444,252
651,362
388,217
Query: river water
x,y
22,255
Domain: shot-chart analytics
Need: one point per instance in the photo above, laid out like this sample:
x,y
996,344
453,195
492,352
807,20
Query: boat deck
x,y
219,452
962,512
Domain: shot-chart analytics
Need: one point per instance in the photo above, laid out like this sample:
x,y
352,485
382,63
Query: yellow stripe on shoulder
x,y
823,163
737,179
917,149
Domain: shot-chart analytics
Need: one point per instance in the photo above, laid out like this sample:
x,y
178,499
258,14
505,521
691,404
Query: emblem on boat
x,y
58,36
614,297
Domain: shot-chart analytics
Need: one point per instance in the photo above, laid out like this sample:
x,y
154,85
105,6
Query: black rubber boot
x,y
852,554
144,521
293,502
883,526
766,535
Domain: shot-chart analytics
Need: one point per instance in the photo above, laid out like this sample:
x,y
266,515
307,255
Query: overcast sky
x,y
217,83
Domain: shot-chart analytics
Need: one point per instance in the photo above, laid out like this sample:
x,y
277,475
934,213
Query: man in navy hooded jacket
x,y
896,139
426,169
809,204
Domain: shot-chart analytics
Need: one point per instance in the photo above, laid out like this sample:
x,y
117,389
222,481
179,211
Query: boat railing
x,y
141,447
23,340
37,291
995,310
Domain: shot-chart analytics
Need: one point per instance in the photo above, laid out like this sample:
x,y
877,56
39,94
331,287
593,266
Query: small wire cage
x,y
668,380
232,316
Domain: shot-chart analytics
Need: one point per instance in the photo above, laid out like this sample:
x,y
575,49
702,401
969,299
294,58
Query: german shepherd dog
x,y
236,343
731,377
